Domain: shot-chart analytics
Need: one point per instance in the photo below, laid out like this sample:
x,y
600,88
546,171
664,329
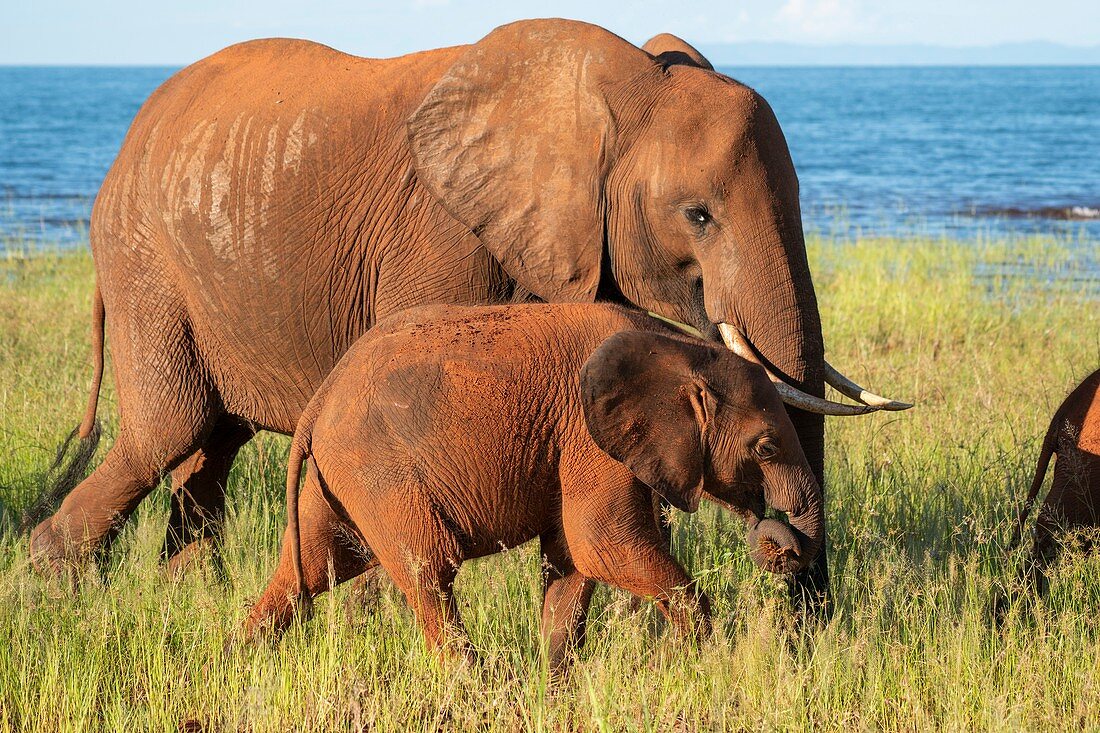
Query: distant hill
x,y
761,53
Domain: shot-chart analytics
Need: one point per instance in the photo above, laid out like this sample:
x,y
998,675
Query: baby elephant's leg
x,y
566,595
421,555
429,590
331,553
1070,504
1044,551
614,538
649,571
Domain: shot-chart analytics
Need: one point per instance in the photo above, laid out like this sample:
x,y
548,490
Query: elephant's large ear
x,y
515,141
669,49
646,408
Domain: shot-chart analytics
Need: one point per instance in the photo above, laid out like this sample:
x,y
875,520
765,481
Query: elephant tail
x,y
70,464
88,425
1050,444
300,451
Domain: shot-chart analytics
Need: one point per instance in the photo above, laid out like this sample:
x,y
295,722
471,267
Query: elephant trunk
x,y
775,308
809,527
793,490
774,547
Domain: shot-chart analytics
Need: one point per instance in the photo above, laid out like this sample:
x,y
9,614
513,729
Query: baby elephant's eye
x,y
765,449
697,215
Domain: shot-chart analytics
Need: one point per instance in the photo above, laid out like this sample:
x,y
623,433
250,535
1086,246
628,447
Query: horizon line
x,y
756,47
717,64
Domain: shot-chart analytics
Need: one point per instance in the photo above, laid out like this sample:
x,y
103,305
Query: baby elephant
x,y
1074,498
449,433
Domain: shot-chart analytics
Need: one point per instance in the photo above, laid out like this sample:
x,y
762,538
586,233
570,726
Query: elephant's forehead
x,y
710,105
705,136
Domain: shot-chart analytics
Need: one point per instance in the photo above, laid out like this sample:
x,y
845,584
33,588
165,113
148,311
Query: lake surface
x,y
963,151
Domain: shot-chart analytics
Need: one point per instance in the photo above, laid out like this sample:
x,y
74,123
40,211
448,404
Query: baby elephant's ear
x,y
645,409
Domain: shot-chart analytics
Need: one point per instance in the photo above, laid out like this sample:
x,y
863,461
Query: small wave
x,y
1063,213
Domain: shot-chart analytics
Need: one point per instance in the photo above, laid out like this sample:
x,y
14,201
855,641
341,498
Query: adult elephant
x,y
274,200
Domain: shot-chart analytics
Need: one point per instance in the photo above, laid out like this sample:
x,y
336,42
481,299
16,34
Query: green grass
x,y
920,505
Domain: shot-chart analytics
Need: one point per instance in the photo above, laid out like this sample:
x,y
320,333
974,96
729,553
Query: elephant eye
x,y
697,215
765,449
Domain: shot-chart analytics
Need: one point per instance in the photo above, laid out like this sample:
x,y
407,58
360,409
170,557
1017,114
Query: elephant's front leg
x,y
566,595
649,571
809,589
614,538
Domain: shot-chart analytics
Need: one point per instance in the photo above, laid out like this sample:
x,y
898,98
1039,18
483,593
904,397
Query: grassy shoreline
x,y
920,504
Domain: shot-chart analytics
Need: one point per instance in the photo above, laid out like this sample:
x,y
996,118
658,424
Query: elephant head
x,y
691,420
669,49
592,169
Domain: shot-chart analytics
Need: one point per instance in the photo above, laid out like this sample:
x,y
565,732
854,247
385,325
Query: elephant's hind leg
x,y
417,546
428,585
332,552
198,495
1045,549
1071,504
167,406
92,515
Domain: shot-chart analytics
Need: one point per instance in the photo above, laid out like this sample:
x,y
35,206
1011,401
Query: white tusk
x,y
797,398
689,330
848,388
739,345
790,395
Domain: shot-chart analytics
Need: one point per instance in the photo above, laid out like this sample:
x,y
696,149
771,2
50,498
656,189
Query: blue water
x,y
897,150
878,150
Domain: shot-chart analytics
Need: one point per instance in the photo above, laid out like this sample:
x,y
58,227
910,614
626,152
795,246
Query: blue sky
x,y
147,32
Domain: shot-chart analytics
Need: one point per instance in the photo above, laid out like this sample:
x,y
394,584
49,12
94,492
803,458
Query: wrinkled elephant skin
x,y
272,202
449,433
1073,502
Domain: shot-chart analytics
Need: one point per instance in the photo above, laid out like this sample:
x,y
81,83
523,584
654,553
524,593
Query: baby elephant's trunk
x,y
781,548
774,547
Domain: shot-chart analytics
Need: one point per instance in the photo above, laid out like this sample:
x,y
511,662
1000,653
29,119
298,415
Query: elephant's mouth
x,y
774,547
